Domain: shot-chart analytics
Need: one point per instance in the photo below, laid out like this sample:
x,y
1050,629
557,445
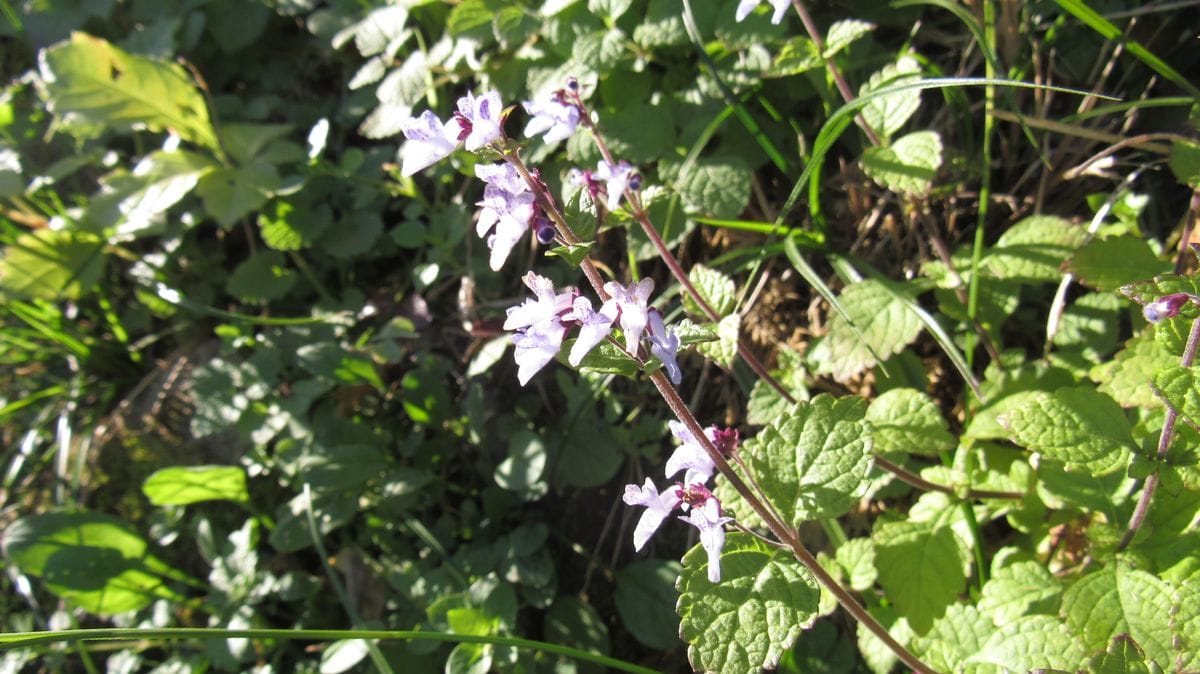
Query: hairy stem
x,y
1164,444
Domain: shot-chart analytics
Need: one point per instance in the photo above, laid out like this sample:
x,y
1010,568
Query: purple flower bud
x,y
543,228
573,83
726,440
1167,306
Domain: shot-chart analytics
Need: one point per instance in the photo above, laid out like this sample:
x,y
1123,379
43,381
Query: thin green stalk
x,y
14,640
381,662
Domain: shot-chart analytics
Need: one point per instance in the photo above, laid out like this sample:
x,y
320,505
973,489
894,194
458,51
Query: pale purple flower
x,y
658,506
480,117
594,326
540,330
503,176
664,344
690,456
746,6
634,314
535,347
707,518
429,141
616,177
552,116
509,215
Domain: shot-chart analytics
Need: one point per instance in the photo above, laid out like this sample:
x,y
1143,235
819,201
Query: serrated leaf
x,y
766,403
1121,599
887,114
573,253
467,16
907,420
1185,162
1108,264
1018,589
1033,642
133,204
798,55
813,461
613,9
857,557
1145,292
689,332
717,187
1127,377
919,568
957,635
52,264
1180,387
1081,427
602,51
843,32
645,599
907,166
88,77
662,26
261,278
1034,249
715,287
1086,325
183,485
748,621
724,350
1123,656
886,324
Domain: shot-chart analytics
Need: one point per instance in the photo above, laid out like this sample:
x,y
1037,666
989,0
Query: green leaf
x,y
606,358
1033,642
287,228
640,133
724,350
88,77
842,33
1145,292
748,621
857,557
798,55
182,485
603,50
612,9
52,264
342,655
690,333
920,569
571,621
766,403
885,322
715,287
1081,427
1128,375
1034,249
645,599
1185,621
954,637
230,194
261,278
353,235
1121,599
907,166
1086,325
907,420
813,461
1108,264
887,114
1122,657
525,463
574,253
1185,162
662,26
133,204
1019,589
1179,387
717,187
96,561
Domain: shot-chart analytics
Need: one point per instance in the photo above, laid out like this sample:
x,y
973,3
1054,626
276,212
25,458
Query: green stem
x,y
15,640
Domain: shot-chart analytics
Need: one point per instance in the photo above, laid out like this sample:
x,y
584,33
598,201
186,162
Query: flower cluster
x,y
541,324
616,178
702,508
746,6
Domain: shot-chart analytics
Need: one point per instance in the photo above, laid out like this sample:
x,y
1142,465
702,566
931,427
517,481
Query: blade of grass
x,y
1105,28
13,640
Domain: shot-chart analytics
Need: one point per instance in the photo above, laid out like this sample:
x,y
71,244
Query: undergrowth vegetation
x,y
892,303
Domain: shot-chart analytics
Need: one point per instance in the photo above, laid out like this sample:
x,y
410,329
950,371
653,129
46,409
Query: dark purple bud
x,y
543,229
1167,306
572,84
727,440
635,182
